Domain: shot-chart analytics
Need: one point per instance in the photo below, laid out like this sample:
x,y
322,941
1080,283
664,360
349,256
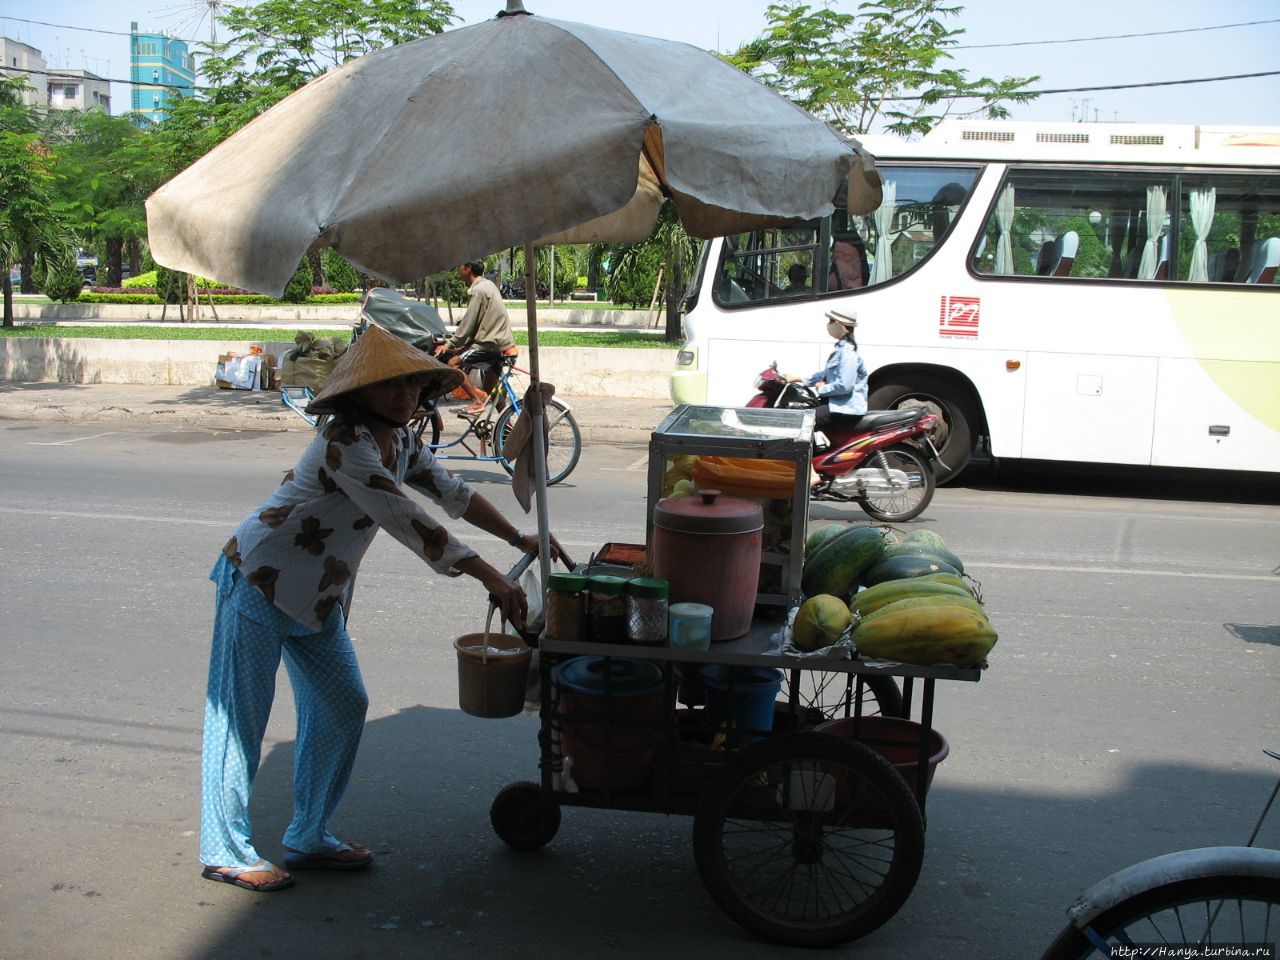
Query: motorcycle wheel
x,y
898,507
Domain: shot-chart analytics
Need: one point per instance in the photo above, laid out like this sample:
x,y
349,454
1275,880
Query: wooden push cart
x,y
803,835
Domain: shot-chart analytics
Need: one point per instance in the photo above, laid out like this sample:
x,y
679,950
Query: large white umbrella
x,y
418,157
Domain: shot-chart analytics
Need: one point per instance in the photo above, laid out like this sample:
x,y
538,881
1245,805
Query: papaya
x,y
927,634
891,591
909,548
951,580
937,600
837,565
894,568
821,537
819,622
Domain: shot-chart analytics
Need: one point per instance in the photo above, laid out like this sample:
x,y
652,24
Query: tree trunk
x,y
135,256
8,300
675,287
115,258
28,273
317,267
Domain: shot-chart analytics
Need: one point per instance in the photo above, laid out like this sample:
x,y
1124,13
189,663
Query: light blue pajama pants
x,y
249,637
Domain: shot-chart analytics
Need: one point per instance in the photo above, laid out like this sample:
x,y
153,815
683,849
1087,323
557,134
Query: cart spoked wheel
x,y
524,817
833,693
809,840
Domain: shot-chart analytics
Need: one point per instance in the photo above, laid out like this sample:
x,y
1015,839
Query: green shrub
x,y
338,273
63,280
146,280
171,285
298,288
335,298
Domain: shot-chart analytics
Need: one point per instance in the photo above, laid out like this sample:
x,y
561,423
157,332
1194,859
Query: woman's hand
x,y
528,543
509,596
503,590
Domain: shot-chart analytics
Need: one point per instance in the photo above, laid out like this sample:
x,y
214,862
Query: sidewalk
x,y
603,420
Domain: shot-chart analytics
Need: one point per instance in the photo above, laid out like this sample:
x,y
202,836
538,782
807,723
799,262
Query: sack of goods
x,y
908,600
311,360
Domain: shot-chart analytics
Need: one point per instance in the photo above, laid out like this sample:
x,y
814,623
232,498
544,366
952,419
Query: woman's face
x,y
394,399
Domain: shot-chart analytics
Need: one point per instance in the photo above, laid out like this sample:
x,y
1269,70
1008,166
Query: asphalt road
x,y
1123,716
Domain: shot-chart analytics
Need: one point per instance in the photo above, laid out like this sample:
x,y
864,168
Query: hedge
x,y
243,299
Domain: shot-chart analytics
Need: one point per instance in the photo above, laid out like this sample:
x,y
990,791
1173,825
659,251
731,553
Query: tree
x,y
887,63
106,168
29,227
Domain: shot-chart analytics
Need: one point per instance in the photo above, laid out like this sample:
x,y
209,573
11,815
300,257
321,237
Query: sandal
x,y
476,409
236,876
348,856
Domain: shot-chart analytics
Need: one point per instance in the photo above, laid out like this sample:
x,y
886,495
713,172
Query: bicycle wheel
x,y
809,840
832,694
564,440
1222,910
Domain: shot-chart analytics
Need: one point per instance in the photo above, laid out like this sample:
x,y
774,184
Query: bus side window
x,y
767,265
1229,228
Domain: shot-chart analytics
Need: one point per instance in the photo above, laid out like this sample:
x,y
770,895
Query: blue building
x,y
160,68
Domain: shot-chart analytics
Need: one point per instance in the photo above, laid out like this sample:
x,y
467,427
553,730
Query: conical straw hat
x,y
376,356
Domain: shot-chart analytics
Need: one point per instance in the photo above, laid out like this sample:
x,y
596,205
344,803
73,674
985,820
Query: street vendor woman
x,y
284,584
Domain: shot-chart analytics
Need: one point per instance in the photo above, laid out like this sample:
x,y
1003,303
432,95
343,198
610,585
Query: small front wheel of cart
x,y
524,817
809,840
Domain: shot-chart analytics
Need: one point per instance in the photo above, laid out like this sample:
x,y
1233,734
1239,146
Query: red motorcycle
x,y
882,461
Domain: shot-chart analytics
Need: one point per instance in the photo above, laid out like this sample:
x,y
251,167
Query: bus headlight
x,y
686,358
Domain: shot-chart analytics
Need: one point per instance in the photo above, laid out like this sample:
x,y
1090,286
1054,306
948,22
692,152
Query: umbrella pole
x,y
537,414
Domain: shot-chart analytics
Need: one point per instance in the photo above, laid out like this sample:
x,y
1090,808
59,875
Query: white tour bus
x,y
1087,292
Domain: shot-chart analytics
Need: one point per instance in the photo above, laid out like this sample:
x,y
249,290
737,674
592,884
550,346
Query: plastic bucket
x,y
742,698
898,741
492,679
612,739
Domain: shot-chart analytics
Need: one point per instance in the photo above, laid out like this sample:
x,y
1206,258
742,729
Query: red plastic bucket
x,y
898,741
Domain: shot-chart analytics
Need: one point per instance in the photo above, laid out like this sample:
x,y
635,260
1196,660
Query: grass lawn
x,y
549,338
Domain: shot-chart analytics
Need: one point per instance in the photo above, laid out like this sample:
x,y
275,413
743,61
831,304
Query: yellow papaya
x,y
952,597
927,634
882,594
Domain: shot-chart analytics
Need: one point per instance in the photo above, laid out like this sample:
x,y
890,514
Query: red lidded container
x,y
707,547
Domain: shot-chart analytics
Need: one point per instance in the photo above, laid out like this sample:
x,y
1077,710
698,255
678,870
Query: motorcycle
x,y
883,461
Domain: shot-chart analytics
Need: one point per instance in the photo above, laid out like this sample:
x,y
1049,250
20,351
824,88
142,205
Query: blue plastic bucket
x,y
741,699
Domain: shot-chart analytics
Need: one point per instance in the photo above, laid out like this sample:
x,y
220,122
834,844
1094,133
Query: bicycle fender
x,y
1172,868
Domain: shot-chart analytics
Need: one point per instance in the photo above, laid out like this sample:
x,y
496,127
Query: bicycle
x,y
492,427
1192,899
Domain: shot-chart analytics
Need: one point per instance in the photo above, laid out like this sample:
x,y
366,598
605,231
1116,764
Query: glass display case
x,y
760,454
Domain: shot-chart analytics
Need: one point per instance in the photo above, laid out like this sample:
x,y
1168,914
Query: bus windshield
x,y
845,252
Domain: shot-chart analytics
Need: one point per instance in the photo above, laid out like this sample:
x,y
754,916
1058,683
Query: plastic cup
x,y
689,626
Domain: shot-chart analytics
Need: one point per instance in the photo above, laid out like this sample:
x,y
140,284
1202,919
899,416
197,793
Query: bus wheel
x,y
957,416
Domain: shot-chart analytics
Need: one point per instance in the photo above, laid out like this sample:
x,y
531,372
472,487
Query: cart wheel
x,y
809,840
832,694
524,817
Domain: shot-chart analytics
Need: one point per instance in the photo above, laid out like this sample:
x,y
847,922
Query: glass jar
x,y
567,607
647,611
607,608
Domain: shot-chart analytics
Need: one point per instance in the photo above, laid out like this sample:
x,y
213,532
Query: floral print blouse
x,y
301,547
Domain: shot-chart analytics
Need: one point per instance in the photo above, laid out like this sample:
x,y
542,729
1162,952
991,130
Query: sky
x,y
725,24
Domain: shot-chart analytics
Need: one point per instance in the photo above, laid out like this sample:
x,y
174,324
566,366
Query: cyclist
x,y
483,336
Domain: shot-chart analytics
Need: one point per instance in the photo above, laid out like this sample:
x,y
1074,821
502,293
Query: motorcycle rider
x,y
841,386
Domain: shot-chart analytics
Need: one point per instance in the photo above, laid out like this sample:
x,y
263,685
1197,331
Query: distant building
x,y
78,90
19,59
160,69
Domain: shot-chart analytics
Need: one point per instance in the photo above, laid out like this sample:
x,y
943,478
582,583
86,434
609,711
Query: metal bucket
x,y
492,673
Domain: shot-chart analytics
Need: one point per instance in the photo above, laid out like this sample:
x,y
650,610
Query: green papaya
x,y
909,548
895,568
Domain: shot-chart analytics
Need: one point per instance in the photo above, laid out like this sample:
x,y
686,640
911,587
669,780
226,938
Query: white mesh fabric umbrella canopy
x,y
415,158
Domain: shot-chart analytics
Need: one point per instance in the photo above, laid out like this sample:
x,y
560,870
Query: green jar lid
x,y
567,582
605,583
649,588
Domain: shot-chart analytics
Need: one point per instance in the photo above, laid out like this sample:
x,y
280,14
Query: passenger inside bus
x,y
797,280
848,261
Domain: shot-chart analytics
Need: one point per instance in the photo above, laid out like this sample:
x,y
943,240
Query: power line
x,y
1112,36
54,72
1113,86
67,26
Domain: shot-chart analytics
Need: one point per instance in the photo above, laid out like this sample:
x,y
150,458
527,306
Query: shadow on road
x,y
1001,865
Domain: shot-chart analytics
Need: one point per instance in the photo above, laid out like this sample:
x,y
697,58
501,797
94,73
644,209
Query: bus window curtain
x,y
1157,201
883,268
1004,223
1202,203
